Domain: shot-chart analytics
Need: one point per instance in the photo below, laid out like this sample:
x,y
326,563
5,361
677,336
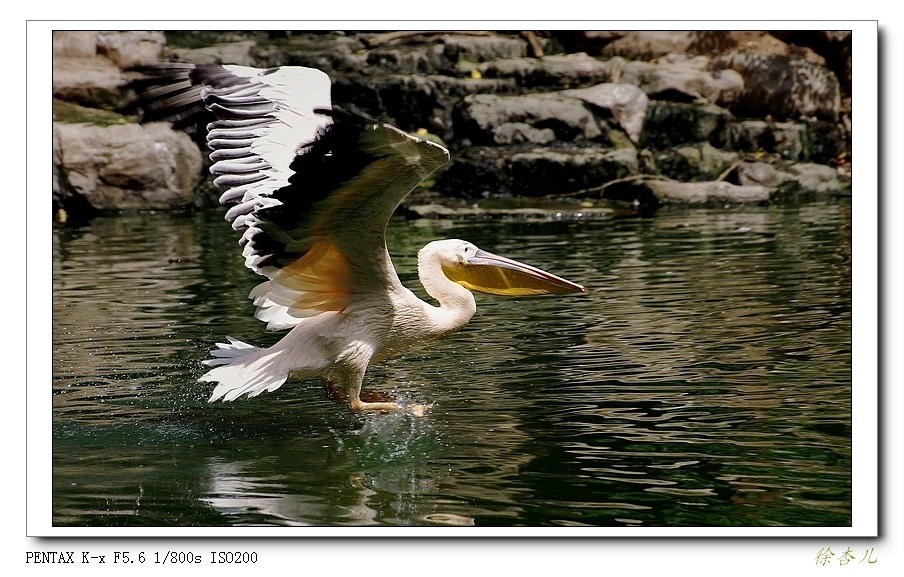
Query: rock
x,y
87,65
759,174
681,105
74,44
483,171
655,192
461,87
826,141
547,171
432,211
124,167
468,48
679,78
800,180
653,44
129,48
475,172
814,141
439,211
590,41
807,180
407,101
480,118
671,192
783,87
560,71
626,103
519,132
226,53
575,70
833,45
90,82
694,162
442,48
335,54
404,60
786,139
673,123
410,52
649,44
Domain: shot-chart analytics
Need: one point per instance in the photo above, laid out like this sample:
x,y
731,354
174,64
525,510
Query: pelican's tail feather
x,y
243,369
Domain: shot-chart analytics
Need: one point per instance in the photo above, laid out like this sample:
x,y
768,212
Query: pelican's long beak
x,y
489,273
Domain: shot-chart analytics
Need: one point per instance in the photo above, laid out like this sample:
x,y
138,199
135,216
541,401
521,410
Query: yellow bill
x,y
492,274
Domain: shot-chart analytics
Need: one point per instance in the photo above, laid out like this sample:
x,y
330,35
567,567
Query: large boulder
x,y
486,119
626,103
675,123
131,47
123,167
783,87
812,141
785,139
680,78
833,45
87,66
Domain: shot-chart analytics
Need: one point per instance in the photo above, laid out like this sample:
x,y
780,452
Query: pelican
x,y
313,188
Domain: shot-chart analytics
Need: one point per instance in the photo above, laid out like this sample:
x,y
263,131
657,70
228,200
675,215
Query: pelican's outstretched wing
x,y
314,186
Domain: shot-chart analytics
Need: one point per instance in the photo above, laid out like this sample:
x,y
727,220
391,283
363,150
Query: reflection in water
x,y
366,476
704,380
236,494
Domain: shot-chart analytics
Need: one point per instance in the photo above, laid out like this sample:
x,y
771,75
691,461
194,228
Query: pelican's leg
x,y
333,392
350,389
337,395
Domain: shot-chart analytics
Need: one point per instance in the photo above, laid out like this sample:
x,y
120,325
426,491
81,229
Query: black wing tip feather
x,y
164,91
172,91
216,76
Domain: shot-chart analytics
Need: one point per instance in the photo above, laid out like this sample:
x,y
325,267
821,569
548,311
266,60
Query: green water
x,y
703,380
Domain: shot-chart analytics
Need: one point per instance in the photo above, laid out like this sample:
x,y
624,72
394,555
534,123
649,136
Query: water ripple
x,y
704,379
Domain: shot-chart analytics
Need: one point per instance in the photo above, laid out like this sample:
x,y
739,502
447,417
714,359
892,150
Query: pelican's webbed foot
x,y
371,401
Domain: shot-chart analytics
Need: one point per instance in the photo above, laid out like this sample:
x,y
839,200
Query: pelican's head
x,y
478,270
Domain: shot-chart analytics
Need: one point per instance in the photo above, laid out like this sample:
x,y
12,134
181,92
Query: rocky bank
x,y
624,119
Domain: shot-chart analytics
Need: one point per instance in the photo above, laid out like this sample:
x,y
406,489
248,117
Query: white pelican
x,y
315,188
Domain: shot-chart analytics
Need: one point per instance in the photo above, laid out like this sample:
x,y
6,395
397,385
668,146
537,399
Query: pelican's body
x,y
314,189
338,346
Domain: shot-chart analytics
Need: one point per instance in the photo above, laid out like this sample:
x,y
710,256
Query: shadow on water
x,y
704,380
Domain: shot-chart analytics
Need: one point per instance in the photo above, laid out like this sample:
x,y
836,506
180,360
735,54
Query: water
x,y
704,380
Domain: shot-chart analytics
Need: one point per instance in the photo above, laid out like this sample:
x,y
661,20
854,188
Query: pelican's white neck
x,y
456,303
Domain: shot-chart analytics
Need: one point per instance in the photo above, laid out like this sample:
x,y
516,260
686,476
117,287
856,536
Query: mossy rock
x,y
73,113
